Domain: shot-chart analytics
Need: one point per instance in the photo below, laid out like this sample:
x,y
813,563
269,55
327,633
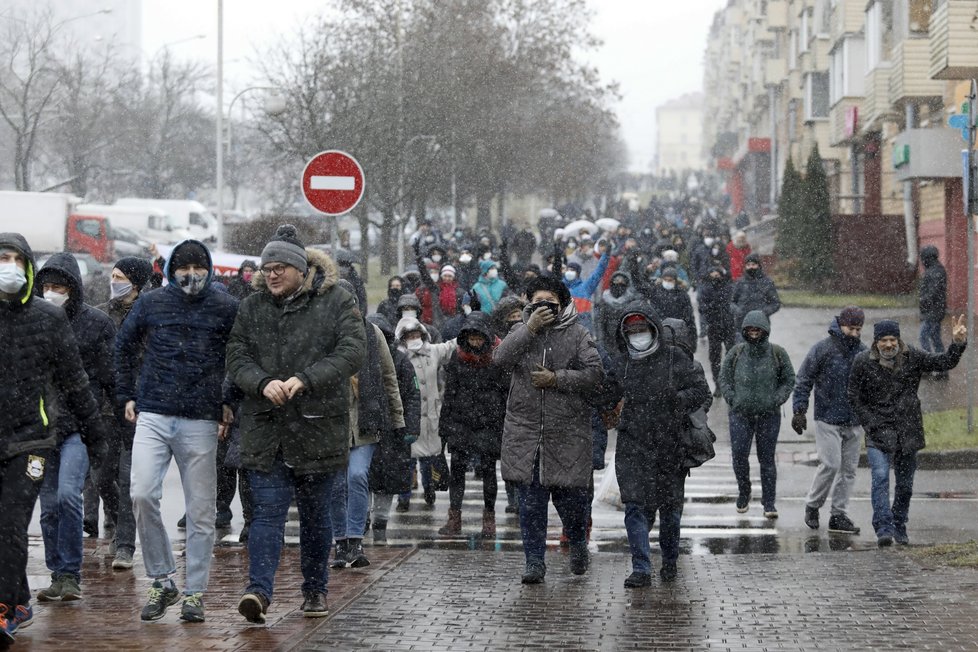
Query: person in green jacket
x,y
756,378
294,346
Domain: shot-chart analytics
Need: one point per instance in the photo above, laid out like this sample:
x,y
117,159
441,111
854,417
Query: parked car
x,y
95,279
130,243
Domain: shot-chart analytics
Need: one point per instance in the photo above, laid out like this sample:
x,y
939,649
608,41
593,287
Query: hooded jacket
x,y
714,297
238,287
317,336
885,400
182,340
490,290
390,466
756,377
754,293
933,286
826,369
428,362
474,406
581,291
554,423
412,302
39,352
94,334
609,311
660,391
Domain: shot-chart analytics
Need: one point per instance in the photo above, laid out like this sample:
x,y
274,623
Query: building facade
x,y
873,84
679,135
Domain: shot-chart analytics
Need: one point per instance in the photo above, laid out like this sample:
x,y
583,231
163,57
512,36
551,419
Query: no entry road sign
x,y
333,182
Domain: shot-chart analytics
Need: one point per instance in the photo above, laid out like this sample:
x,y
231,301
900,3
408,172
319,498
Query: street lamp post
x,y
403,220
274,105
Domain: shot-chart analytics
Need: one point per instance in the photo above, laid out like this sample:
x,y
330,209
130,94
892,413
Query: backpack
x,y
697,440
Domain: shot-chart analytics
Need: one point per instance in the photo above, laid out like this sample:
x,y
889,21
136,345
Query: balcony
x,y
953,42
910,75
777,14
844,121
848,17
876,103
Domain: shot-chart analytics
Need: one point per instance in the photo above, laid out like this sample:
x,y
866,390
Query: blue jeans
x,y
572,505
888,520
930,336
744,429
351,495
62,507
638,525
271,494
193,444
425,464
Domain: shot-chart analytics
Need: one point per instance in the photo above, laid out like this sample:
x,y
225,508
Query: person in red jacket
x,y
738,249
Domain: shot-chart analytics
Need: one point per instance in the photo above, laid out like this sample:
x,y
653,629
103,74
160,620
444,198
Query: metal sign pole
x,y
970,192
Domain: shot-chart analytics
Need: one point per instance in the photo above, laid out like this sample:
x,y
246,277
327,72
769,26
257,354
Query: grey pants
x,y
838,455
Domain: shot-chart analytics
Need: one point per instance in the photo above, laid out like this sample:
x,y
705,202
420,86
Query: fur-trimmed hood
x,y
322,275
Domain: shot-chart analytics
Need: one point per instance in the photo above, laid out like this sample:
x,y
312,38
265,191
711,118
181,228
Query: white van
x,y
188,214
152,223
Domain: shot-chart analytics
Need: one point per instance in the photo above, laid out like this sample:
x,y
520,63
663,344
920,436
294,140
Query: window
x,y
879,33
911,18
793,50
196,219
806,31
91,228
816,95
847,70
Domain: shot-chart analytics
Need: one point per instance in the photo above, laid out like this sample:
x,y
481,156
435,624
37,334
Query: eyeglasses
x,y
273,270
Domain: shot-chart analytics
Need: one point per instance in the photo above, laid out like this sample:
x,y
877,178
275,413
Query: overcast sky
x,y
653,48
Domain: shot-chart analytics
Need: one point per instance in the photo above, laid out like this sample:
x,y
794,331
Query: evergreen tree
x,y
790,213
814,252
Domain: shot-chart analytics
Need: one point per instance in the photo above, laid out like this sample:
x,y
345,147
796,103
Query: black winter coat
x,y
390,467
714,304
660,391
885,400
754,293
933,286
94,334
39,352
675,304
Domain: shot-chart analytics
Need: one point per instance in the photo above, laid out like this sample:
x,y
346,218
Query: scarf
x,y
478,360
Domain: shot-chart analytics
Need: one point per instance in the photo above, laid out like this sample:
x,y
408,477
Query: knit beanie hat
x,y
189,253
448,269
851,316
885,328
285,247
136,270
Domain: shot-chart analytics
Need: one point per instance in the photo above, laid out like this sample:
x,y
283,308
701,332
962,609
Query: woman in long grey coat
x,y
546,445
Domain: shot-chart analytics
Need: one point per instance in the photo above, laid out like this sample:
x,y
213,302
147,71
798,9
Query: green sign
x,y
901,155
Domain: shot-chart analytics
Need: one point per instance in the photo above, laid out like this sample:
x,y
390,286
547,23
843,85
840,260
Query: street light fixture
x,y
275,104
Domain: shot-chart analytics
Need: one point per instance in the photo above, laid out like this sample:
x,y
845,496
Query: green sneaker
x,y
160,597
53,592
70,589
192,610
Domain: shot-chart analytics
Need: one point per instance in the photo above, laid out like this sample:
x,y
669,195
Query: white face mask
x,y
415,344
409,314
118,289
436,258
640,341
570,276
12,278
467,310
434,277
715,251
708,242
668,285
56,298
487,256
492,273
465,259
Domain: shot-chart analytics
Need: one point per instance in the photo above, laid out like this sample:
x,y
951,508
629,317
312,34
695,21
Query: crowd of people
x,y
286,387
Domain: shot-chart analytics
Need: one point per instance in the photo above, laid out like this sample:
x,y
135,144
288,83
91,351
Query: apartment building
x,y
872,83
679,135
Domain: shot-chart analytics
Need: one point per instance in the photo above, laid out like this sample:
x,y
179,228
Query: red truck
x,y
47,221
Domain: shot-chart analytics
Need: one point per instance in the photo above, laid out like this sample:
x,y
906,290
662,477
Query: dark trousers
x,y
103,483
456,485
718,342
125,525
20,483
744,429
227,483
572,505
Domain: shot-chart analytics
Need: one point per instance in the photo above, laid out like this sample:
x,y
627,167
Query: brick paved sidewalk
x,y
108,616
444,600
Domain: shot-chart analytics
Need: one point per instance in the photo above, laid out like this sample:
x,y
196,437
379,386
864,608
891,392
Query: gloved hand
x,y
403,434
95,435
543,378
799,422
540,319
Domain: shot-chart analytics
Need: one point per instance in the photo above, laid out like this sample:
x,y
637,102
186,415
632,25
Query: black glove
x,y
799,422
95,435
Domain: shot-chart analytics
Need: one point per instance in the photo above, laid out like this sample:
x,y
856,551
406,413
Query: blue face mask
x,y
12,278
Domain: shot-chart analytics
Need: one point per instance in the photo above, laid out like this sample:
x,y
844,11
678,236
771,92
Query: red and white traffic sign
x,y
333,182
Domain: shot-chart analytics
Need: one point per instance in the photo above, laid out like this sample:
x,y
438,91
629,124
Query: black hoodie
x,y
39,352
94,332
933,286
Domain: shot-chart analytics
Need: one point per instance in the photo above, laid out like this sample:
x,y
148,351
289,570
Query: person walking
x,y
129,278
838,436
715,293
240,287
294,347
737,251
754,291
471,423
661,386
756,379
933,302
882,390
489,288
546,445
59,282
39,347
177,335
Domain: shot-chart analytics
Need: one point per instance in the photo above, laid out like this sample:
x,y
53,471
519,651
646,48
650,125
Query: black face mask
x,y
753,273
553,307
394,293
618,289
510,324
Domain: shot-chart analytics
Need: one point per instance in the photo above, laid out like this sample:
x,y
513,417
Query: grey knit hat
x,y
285,248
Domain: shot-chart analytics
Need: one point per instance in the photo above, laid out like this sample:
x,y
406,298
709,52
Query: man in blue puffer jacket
x,y
182,331
838,434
